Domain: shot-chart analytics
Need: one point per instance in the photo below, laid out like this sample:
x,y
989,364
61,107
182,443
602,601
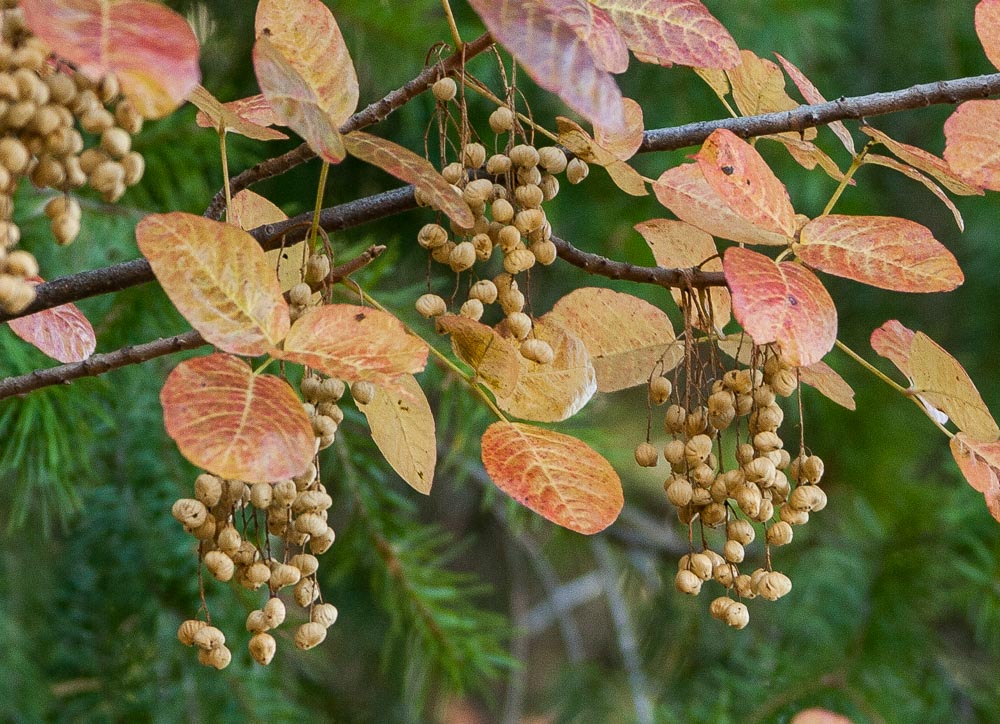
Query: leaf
x,y
673,31
63,333
738,174
783,303
150,48
626,337
883,251
893,341
808,155
235,424
402,426
813,96
218,278
493,358
716,79
970,143
249,210
354,344
555,57
411,168
759,87
579,142
941,381
980,464
555,391
595,28
235,116
829,384
623,144
678,245
819,716
684,190
988,29
926,162
305,71
557,476
909,171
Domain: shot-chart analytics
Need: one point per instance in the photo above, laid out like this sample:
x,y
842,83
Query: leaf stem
x,y
476,86
225,171
451,24
314,229
855,165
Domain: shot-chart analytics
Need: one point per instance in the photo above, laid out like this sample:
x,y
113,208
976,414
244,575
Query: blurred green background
x,y
460,607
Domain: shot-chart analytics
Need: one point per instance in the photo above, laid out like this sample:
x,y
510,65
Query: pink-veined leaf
x,y
625,143
673,31
926,162
980,464
354,344
150,48
813,96
557,476
783,303
627,338
883,251
236,116
63,333
684,190
236,424
494,359
911,172
738,174
970,147
408,166
678,245
893,341
595,28
218,278
555,56
402,427
988,29
828,383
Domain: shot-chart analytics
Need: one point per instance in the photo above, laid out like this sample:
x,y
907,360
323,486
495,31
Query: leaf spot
x,y
792,300
728,170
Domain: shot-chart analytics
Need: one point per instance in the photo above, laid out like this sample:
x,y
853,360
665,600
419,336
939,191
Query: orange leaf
x,y
813,96
623,144
494,359
555,391
970,147
236,424
354,344
678,245
411,168
557,476
783,303
578,141
939,380
685,191
738,174
673,31
218,278
909,171
980,464
759,86
150,48
626,337
235,116
555,56
402,426
882,251
63,333
926,162
988,29
829,384
893,341
305,71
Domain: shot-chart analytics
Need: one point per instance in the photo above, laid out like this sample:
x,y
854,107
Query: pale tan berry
x,y
679,491
219,565
498,164
576,171
501,120
208,638
462,257
363,392
189,512
779,534
309,635
187,630
306,563
474,156
807,498
773,585
646,455
262,648
324,614
688,582
737,616
444,89
321,544
524,156
453,173
519,324
431,305
484,290
740,531
545,252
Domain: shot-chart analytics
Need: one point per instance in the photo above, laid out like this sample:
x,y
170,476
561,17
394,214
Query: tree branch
x,y
602,266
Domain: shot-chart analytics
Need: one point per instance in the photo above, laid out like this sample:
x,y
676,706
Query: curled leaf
x,y
623,143
924,161
980,464
813,96
248,117
893,341
578,141
495,360
828,383
911,172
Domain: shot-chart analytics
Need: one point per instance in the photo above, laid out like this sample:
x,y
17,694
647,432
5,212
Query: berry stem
x,y
314,229
456,37
475,85
855,165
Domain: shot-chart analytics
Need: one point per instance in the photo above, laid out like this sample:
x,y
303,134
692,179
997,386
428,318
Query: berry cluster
x,y
45,110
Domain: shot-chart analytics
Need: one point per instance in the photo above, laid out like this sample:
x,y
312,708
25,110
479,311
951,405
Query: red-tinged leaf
x,y
829,384
970,143
980,464
249,210
235,424
909,171
235,116
627,338
557,476
494,359
988,29
678,245
783,303
218,278
408,166
150,48
893,341
685,191
595,28
355,344
555,56
819,716
623,144
402,426
555,391
673,31
813,96
882,251
926,162
62,333
738,174
759,86
575,139
942,382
